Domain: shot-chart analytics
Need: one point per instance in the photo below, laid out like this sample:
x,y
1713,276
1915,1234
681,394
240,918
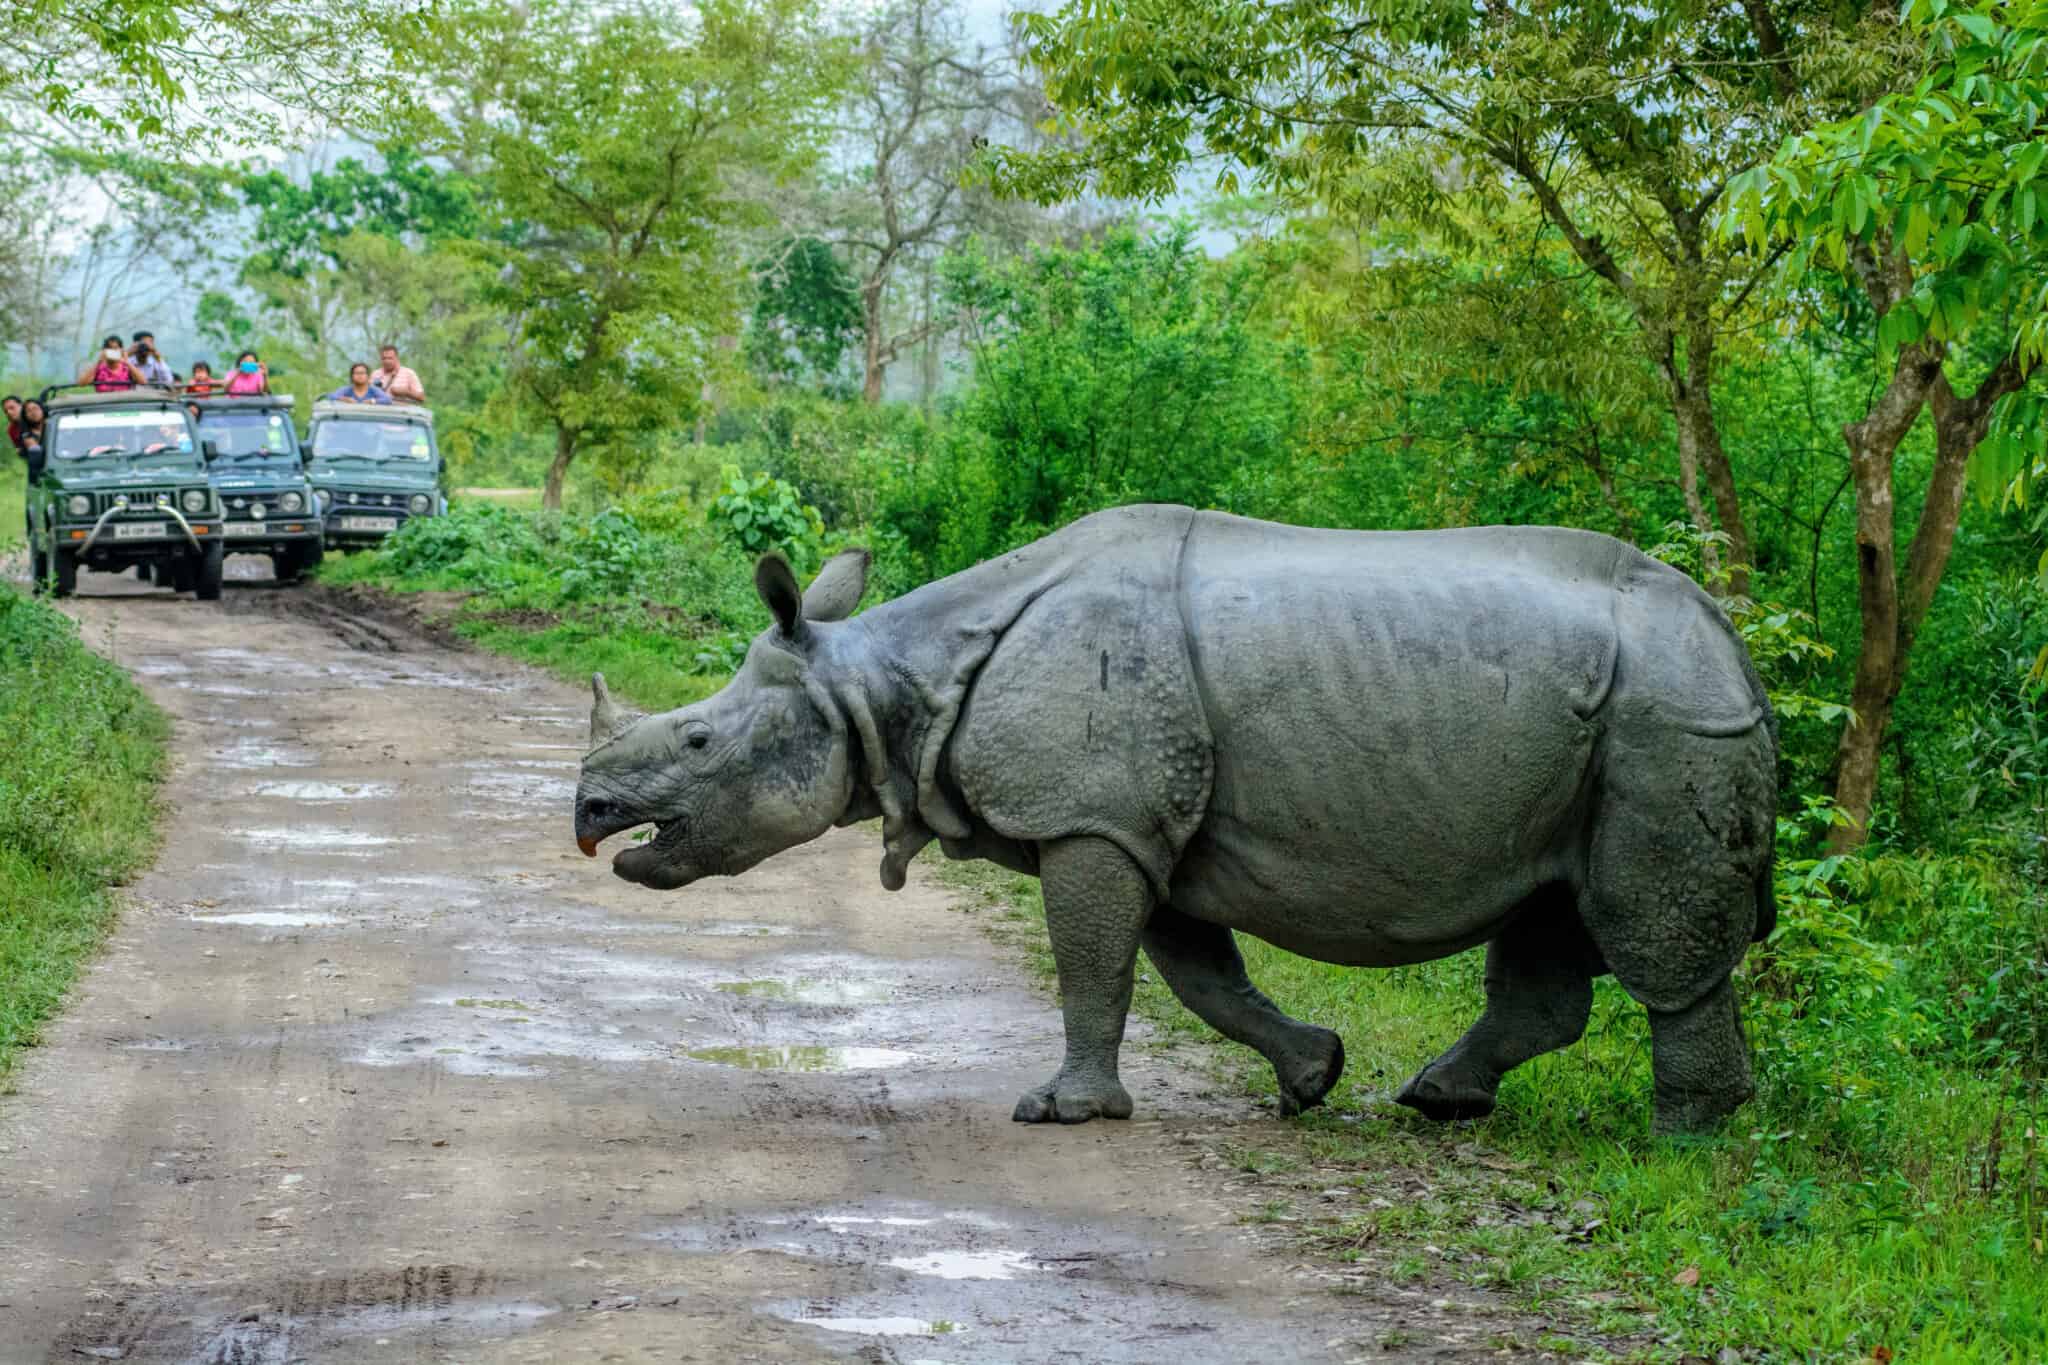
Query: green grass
x,y
1890,1200
77,807
13,502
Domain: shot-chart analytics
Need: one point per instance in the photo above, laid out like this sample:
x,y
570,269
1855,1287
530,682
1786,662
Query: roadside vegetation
x,y
85,751
1757,288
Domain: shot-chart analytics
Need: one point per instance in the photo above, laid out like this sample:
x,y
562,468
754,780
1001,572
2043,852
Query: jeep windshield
x,y
383,441
116,435
249,437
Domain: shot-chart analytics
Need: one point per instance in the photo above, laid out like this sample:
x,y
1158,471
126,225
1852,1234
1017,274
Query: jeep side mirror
x,y
36,460
210,449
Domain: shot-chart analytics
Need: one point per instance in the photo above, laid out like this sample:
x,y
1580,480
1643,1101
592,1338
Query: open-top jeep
x,y
252,452
374,467
119,482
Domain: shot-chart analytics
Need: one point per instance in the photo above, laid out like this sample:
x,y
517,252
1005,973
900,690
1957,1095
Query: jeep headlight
x,y
290,502
78,505
419,504
320,500
194,500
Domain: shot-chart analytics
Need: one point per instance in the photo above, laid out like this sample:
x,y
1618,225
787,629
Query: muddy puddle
x,y
271,919
988,1279
884,1327
799,1057
251,752
804,991
324,791
315,838
417,1313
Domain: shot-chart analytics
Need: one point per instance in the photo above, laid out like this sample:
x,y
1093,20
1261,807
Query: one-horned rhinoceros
x,y
1369,748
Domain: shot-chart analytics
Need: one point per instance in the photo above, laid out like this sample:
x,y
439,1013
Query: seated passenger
x,y
12,406
358,389
32,431
396,380
251,376
203,383
111,369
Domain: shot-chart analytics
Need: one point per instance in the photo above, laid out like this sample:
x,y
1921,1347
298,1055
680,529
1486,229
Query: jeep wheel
x,y
206,570
64,575
38,570
284,566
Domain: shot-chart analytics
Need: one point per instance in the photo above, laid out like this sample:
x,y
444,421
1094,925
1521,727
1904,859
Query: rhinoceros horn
x,y
606,720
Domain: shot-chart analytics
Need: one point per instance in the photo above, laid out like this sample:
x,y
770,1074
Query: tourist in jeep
x,y
395,379
251,376
150,361
111,369
358,389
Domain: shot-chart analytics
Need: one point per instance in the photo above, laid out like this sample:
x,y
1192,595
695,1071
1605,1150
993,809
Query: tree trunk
x,y
558,468
1692,408
1689,485
1880,660
871,325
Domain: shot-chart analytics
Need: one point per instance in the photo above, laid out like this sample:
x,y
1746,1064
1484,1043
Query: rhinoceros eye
x,y
698,739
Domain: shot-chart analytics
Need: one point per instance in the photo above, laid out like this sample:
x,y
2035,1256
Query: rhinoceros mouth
x,y
653,862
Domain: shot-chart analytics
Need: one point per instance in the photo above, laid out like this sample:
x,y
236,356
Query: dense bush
x,y
1130,372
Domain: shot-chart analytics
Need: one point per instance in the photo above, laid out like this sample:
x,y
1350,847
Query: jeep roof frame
x,y
416,413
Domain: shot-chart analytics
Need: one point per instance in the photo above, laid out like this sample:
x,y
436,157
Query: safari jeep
x,y
120,483
258,471
374,467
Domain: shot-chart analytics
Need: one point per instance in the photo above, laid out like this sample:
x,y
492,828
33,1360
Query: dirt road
x,y
377,1068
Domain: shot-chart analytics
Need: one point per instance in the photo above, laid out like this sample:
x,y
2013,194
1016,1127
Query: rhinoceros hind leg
x,y
1202,965
1681,847
1539,992
1699,1061
1096,902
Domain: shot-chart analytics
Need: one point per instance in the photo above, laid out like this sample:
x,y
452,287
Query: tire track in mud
x,y
377,1068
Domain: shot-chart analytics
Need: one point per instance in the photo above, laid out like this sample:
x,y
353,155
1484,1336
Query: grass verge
x,y
77,806
13,504
1890,1203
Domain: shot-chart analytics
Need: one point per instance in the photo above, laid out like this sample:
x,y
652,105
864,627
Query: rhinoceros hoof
x,y
1310,1079
1072,1102
1437,1095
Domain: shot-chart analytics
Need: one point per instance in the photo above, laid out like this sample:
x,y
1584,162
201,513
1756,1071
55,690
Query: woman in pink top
x,y
111,369
250,376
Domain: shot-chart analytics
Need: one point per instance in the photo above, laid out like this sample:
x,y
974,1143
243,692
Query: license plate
x,y
141,530
245,528
369,523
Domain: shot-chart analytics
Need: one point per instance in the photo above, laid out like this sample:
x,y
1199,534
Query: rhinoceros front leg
x,y
1200,961
1096,903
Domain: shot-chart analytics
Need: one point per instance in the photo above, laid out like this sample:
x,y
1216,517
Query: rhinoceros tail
x,y
1766,901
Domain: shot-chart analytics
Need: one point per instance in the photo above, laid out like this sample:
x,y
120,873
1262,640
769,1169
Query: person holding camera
x,y
111,369
150,361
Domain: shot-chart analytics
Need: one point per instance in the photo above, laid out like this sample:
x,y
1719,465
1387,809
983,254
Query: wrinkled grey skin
x,y
1367,748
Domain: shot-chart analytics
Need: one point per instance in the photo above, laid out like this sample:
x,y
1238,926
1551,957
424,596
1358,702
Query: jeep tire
x,y
63,571
206,571
38,568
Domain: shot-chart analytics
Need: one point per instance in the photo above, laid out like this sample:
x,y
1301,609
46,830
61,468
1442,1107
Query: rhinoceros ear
x,y
836,591
777,586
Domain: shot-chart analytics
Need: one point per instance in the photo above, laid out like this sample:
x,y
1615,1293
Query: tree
x,y
609,143
171,72
807,312
924,101
1620,124
1932,206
